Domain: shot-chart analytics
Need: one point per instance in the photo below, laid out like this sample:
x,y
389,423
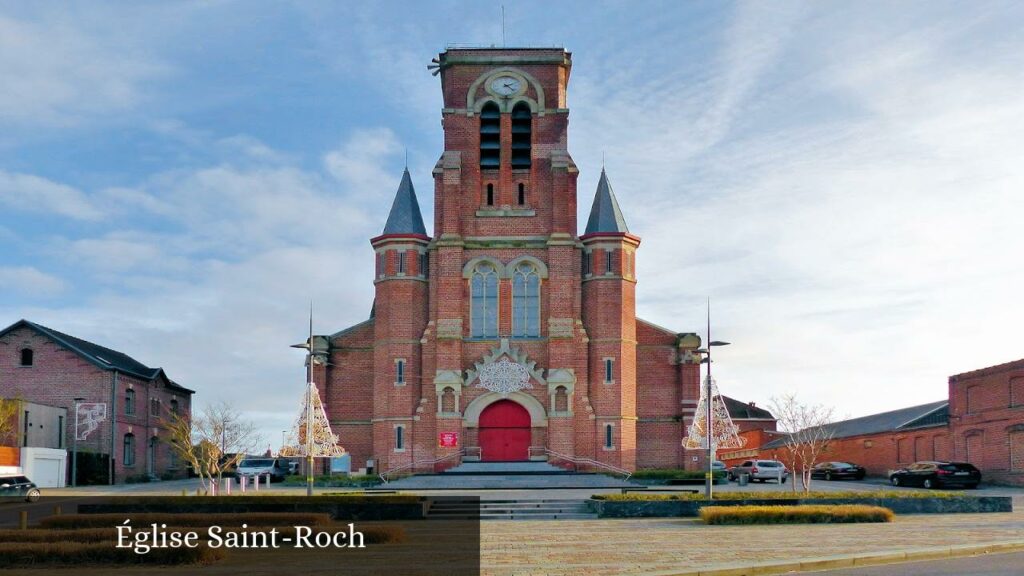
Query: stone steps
x,y
510,510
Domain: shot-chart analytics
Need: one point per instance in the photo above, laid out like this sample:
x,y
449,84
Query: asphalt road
x,y
1010,564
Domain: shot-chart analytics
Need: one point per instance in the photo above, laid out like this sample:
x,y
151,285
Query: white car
x,y
760,470
274,468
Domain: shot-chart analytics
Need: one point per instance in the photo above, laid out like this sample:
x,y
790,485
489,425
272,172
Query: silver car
x,y
760,470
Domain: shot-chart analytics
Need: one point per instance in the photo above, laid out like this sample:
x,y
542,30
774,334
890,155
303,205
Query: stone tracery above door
x,y
504,371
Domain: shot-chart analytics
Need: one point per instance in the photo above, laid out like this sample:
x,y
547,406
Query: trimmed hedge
x,y
33,554
674,474
813,514
775,495
73,521
354,481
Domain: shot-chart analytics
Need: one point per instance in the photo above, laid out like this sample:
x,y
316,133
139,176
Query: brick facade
x,y
986,420
603,384
59,373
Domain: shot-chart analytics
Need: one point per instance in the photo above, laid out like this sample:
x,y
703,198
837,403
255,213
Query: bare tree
x,y
212,441
8,421
808,434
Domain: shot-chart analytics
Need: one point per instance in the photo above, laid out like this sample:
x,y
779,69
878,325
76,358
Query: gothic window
x,y
399,438
129,401
129,450
526,301
448,401
521,119
490,136
400,371
609,365
586,262
561,399
401,263
483,315
381,263
490,195
26,357
608,261
424,265
522,194
609,436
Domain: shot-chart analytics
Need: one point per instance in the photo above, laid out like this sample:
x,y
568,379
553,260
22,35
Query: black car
x,y
18,486
937,475
837,470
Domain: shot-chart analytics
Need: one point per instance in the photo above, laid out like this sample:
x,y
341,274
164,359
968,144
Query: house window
x,y
129,450
490,195
609,365
483,317
521,120
490,136
609,436
129,401
154,407
27,357
399,438
174,406
526,301
522,194
400,371
424,265
608,261
172,456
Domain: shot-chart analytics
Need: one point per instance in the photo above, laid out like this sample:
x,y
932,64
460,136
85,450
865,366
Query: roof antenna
x,y
502,25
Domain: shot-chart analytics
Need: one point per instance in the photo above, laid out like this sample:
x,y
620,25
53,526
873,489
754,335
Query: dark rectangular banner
x,y
241,535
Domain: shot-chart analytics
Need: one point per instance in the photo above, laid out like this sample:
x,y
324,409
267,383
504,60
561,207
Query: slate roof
x,y
605,215
405,217
924,415
100,356
744,411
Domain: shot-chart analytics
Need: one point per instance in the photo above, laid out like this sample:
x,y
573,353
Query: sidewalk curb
x,y
855,560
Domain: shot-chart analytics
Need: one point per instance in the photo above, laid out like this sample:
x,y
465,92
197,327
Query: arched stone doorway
x,y
504,434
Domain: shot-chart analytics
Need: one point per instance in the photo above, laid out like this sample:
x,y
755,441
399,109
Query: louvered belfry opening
x,y
490,136
521,120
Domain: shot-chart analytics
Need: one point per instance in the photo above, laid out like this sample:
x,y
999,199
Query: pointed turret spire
x,y
605,215
405,217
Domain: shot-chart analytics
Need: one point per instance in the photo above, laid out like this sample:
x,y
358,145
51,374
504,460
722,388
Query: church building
x,y
508,333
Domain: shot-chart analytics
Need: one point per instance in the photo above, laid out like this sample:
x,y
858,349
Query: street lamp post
x,y
709,431
74,447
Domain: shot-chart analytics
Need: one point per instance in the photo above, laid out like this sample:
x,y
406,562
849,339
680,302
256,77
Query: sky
x,y
844,181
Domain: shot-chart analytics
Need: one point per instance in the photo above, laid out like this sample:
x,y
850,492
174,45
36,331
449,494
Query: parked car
x,y
760,470
275,468
717,466
936,475
19,487
837,471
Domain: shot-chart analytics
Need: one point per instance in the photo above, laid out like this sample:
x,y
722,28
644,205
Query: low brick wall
x,y
691,508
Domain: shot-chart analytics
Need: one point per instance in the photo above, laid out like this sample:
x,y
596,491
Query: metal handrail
x,y
412,465
589,461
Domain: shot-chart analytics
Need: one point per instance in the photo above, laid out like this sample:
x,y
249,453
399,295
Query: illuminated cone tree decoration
x,y
324,442
724,434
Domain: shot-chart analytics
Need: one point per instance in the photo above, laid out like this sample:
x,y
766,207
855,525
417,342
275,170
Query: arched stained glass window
x,y
483,315
525,301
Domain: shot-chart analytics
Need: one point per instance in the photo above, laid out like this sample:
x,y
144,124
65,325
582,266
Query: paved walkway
x,y
671,546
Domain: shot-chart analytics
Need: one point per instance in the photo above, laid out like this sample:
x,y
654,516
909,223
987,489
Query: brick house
x,y
986,420
44,366
508,333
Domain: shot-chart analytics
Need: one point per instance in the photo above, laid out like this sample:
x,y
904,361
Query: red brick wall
x,y
986,409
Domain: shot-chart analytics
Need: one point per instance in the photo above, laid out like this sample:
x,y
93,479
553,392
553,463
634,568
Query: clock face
x,y
505,85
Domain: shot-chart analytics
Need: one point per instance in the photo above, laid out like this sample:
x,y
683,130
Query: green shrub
x,y
335,481
33,554
74,521
804,514
137,479
778,495
673,474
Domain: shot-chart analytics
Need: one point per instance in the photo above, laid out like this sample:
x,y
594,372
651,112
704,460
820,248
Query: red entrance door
x,y
504,432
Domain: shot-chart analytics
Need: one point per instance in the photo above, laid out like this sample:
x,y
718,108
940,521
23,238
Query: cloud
x,y
55,73
29,193
29,281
